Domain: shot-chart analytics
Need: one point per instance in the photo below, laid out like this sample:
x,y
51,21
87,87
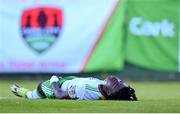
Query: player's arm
x,y
57,90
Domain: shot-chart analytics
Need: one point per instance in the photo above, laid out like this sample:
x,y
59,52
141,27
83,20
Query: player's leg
x,y
25,93
44,90
36,93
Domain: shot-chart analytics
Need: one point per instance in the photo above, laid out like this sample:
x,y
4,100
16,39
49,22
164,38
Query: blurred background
x,y
137,40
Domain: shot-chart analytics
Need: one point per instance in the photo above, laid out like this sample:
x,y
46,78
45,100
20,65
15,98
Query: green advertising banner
x,y
153,34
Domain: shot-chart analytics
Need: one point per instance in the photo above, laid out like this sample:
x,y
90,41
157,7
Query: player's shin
x,y
33,95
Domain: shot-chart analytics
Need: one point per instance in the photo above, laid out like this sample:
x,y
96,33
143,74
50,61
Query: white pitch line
x,y
9,98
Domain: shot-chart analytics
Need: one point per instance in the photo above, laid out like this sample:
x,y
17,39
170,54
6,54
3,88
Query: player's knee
x,y
40,91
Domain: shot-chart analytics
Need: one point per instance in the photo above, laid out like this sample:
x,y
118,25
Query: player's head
x,y
118,90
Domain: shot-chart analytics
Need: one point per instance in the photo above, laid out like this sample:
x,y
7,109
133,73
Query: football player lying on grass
x,y
79,88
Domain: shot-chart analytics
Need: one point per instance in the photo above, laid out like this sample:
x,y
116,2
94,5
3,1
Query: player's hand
x,y
54,79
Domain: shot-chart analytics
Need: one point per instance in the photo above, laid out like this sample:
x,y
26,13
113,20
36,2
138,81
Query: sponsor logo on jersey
x,y
140,27
41,26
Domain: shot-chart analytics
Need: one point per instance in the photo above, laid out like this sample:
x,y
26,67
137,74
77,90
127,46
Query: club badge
x,y
41,27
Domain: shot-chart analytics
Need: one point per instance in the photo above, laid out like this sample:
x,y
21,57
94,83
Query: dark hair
x,y
126,93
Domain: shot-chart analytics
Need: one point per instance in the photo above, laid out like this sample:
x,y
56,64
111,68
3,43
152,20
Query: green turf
x,y
153,97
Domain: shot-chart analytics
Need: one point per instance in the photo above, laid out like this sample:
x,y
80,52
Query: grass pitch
x,y
153,97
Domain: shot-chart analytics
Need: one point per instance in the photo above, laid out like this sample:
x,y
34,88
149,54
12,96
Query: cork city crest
x,y
41,27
